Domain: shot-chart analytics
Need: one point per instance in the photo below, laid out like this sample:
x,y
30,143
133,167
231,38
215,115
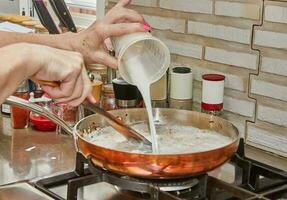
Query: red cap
x,y
207,106
213,77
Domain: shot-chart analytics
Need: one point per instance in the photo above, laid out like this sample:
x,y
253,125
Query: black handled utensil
x,y
45,17
61,10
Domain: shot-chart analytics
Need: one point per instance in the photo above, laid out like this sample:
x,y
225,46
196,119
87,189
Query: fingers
x,y
80,93
69,79
125,28
106,59
91,99
86,92
76,93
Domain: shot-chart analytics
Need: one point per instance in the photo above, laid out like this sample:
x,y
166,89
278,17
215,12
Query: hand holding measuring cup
x,y
117,22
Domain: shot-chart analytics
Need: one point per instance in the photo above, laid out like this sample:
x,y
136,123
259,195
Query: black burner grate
x,y
253,180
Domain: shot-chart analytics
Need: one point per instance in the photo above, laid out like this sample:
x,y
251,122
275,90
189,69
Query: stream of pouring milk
x,y
135,61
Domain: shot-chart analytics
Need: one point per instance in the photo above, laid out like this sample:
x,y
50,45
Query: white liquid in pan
x,y
171,139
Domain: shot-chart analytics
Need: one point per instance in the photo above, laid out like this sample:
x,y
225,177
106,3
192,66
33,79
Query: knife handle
x,y
45,17
61,10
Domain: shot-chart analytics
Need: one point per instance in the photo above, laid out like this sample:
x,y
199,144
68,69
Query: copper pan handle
x,y
16,101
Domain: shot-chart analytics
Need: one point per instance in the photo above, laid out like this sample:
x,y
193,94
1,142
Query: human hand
x,y
65,67
118,21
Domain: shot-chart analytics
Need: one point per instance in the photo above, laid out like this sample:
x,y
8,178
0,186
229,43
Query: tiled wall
x,y
246,40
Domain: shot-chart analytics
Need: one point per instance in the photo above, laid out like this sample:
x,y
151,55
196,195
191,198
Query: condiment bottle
x,y
212,93
181,83
19,116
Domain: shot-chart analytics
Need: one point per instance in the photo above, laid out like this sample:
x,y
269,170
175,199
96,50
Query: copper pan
x,y
153,166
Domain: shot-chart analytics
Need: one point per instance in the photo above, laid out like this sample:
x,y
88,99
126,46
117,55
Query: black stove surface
x,y
253,180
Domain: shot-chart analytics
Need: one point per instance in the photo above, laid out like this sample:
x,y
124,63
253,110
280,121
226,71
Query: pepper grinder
x,y
126,95
108,97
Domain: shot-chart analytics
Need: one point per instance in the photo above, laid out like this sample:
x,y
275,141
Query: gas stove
x,y
252,180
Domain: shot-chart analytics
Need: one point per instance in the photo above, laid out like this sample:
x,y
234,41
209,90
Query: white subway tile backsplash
x,y
220,32
184,48
274,65
272,115
195,6
239,106
166,23
237,9
268,89
276,13
268,138
232,81
270,39
228,57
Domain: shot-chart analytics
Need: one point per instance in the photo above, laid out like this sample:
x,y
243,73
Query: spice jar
x,y
69,114
97,89
19,116
181,87
212,93
108,98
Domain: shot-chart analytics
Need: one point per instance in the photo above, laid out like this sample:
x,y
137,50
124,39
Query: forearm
x,y
61,41
13,68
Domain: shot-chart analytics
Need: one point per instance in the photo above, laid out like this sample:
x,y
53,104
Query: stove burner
x,y
140,184
253,180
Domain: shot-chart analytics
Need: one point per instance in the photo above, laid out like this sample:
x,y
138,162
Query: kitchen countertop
x,y
27,154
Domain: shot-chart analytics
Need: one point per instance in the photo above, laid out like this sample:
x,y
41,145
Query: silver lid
x,y
126,103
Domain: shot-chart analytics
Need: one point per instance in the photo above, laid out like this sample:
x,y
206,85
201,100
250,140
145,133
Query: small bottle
x,y
19,116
